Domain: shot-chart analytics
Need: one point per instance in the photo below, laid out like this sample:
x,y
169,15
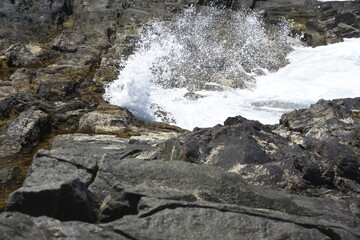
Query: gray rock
x,y
20,102
50,179
102,123
183,223
65,201
325,120
22,78
19,56
16,226
316,23
206,183
8,176
232,4
24,131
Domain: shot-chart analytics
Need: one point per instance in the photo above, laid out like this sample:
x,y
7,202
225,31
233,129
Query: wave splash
x,y
200,51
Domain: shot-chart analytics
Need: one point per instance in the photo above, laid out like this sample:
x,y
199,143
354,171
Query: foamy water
x,y
325,72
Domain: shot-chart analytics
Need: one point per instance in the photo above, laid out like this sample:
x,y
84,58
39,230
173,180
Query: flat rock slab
x,y
184,223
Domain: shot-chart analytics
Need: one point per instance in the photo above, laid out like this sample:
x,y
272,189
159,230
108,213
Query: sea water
x,y
146,88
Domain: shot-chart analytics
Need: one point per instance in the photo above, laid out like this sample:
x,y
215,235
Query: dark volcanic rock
x,y
246,147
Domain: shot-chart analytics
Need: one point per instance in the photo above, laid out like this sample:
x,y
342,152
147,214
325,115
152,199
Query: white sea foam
x,y
326,72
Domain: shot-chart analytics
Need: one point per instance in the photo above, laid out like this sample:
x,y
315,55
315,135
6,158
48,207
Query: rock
x,y
17,103
54,86
192,96
22,80
239,141
19,56
232,4
205,182
332,128
24,131
8,176
316,23
6,91
50,182
102,123
133,187
65,201
67,115
325,120
31,20
183,223
262,157
18,226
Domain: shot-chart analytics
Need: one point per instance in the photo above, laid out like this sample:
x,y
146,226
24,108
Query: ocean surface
x,y
325,72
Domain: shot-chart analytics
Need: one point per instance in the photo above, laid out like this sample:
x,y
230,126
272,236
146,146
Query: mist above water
x,y
207,64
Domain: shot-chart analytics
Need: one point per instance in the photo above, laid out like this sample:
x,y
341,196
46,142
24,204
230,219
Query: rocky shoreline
x,y
97,172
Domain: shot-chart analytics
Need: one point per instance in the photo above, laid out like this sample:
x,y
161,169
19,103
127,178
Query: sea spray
x,y
155,83
201,49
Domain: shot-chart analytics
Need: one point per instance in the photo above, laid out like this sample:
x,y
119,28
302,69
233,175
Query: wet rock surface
x,y
109,175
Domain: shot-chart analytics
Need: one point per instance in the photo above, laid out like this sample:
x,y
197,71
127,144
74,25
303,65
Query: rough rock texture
x,y
313,151
19,226
24,131
132,192
62,174
316,23
299,179
64,201
137,187
183,223
8,177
